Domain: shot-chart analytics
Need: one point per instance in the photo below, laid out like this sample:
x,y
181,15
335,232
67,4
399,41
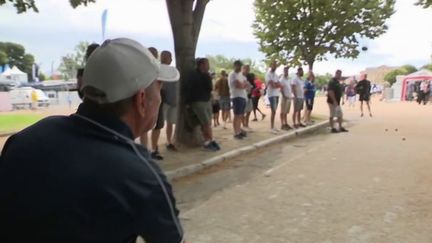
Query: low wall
x,y
5,104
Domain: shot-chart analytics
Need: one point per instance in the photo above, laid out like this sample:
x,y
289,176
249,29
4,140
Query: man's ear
x,y
139,102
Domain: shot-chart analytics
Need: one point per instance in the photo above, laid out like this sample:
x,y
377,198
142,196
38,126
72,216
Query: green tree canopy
x,y
424,3
24,5
427,66
73,61
403,70
221,62
322,80
14,54
294,31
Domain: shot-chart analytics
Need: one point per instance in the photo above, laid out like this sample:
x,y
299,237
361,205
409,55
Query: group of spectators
x,y
240,91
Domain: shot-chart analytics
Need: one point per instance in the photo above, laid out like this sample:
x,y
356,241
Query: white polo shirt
x,y
271,92
234,91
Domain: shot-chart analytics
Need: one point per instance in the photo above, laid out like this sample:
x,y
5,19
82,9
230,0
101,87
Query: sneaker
x,y
263,116
284,127
216,145
156,155
274,131
333,130
302,125
238,136
171,147
210,146
243,133
342,129
254,120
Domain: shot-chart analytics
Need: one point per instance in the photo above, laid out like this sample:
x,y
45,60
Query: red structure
x,y
416,76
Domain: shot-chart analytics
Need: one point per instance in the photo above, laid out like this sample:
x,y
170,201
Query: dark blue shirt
x,y
309,90
66,180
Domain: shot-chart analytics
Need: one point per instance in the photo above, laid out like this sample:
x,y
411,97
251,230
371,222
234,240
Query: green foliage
x,y
72,62
407,69
424,3
14,54
221,62
403,70
42,76
3,57
322,80
300,31
24,5
427,66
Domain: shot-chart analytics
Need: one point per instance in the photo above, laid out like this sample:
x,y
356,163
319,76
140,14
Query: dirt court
x,y
372,184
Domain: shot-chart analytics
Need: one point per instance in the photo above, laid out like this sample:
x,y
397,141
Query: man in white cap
x,y
81,178
167,108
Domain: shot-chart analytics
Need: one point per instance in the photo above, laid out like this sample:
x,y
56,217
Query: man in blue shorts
x,y
273,92
237,85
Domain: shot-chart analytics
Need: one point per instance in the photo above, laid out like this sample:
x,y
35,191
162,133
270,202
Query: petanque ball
x,y
403,139
364,48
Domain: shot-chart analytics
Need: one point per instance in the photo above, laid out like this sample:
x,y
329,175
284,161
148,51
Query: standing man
x,y
222,89
334,95
309,91
238,84
144,136
197,97
250,77
297,87
364,90
167,109
286,99
273,92
96,185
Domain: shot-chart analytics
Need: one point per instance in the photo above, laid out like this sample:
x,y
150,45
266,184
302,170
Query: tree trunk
x,y
310,65
186,24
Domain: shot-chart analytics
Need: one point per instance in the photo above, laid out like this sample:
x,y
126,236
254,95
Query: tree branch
x,y
198,15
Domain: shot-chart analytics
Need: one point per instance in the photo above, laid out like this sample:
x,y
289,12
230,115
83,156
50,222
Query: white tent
x,y
14,74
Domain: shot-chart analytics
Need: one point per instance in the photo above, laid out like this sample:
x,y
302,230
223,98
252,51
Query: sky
x,y
57,29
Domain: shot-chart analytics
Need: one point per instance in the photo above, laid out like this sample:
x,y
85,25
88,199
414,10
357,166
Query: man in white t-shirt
x,y
237,84
286,99
297,87
273,92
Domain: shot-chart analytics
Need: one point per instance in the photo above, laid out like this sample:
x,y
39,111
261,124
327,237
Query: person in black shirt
x,y
334,95
363,88
197,94
82,178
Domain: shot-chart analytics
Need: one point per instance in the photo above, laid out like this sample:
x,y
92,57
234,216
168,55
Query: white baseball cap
x,y
120,67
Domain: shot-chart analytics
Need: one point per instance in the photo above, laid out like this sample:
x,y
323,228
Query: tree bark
x,y
310,65
186,18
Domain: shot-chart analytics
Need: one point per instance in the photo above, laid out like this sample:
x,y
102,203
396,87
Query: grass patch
x,y
16,122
